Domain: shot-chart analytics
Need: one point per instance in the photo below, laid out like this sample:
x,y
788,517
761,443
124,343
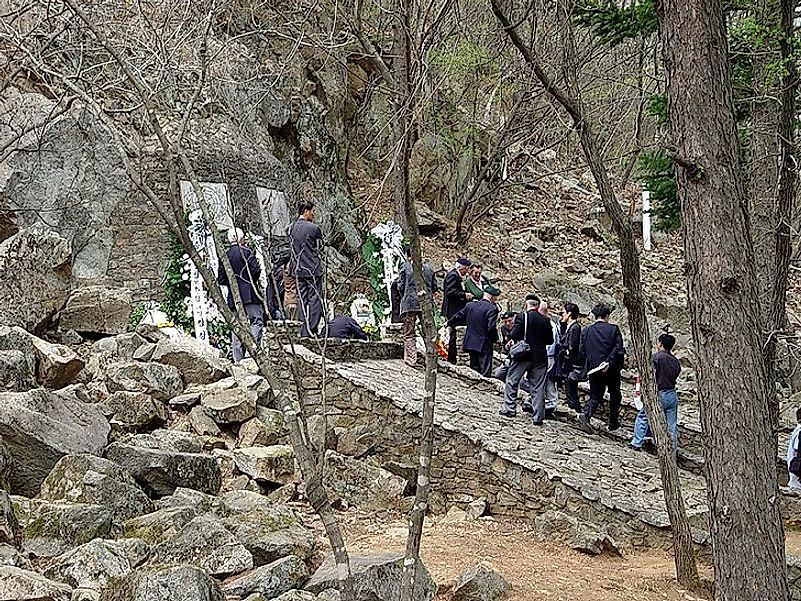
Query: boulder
x,y
98,562
235,405
293,595
16,374
274,464
136,411
97,310
202,424
160,381
50,529
358,483
376,576
267,530
266,429
188,497
270,580
205,543
10,531
197,362
163,460
23,585
11,556
53,365
184,583
94,480
160,525
184,401
40,427
476,509
480,583
34,278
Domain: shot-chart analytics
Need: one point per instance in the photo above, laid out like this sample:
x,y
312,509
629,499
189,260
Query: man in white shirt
x,y
551,395
792,449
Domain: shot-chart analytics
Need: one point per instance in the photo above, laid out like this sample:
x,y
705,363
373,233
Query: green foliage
x,y
462,59
176,287
136,316
657,173
656,107
613,24
371,252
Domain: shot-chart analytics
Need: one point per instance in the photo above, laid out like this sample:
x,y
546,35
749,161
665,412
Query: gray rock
x,y
95,564
40,427
85,594
230,406
376,576
10,531
270,580
161,381
293,595
267,530
185,401
10,556
160,464
476,509
205,543
94,480
275,464
23,585
197,362
480,583
358,483
266,429
144,352
184,583
97,310
54,365
594,541
160,525
51,528
136,411
16,374
187,497
34,278
202,424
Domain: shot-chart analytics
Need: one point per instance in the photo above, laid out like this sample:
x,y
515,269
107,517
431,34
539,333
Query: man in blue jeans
x,y
667,369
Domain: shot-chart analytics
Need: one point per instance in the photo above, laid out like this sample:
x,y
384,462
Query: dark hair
x,y
573,309
305,205
532,297
798,415
601,311
667,341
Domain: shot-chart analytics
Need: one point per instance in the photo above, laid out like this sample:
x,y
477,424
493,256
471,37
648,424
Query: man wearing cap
x,y
454,300
481,319
246,269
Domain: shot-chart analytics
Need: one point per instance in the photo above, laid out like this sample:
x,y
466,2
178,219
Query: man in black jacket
x,y
246,269
481,319
454,299
601,351
569,355
537,331
306,246
345,327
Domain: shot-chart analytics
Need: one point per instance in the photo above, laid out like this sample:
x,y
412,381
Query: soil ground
x,y
537,571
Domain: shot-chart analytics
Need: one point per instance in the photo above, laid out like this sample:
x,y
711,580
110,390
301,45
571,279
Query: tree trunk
x,y
740,452
570,100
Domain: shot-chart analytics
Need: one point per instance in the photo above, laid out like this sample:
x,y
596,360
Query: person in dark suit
x,y
481,319
247,270
537,331
454,299
569,355
306,244
345,327
602,346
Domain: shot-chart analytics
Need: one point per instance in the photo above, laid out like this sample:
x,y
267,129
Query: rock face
x,y
480,583
204,542
96,563
359,483
93,480
40,427
269,581
275,464
34,278
376,576
23,585
50,529
97,310
160,463
160,381
186,583
197,362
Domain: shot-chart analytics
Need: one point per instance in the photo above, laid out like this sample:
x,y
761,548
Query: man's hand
x,y
509,343
468,296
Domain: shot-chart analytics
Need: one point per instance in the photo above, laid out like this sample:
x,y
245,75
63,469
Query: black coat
x,y
571,342
538,334
344,326
453,299
481,319
246,267
601,341
306,245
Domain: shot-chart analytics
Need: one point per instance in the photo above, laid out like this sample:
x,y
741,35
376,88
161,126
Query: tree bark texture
x,y
740,452
570,100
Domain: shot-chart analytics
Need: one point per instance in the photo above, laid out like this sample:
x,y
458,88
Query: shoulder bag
x,y
521,348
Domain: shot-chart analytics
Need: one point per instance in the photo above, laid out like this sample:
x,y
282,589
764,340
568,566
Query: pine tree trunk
x,y
740,452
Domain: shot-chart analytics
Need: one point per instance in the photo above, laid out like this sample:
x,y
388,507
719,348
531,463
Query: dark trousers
x,y
453,349
481,362
600,382
310,305
572,394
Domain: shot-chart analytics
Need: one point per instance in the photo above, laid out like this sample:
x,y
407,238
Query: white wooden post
x,y
646,220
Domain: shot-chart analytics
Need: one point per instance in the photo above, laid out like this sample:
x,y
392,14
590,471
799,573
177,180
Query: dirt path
x,y
537,570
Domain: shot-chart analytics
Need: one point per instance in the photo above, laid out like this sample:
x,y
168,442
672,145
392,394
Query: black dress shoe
x,y
537,423
507,413
613,427
528,409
